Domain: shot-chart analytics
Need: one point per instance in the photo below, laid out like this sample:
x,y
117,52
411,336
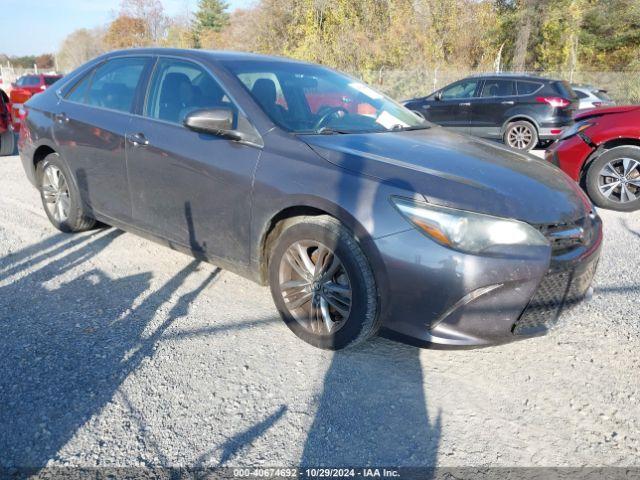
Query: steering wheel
x,y
326,116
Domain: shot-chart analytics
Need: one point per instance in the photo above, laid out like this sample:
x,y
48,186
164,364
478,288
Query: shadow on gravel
x,y
66,349
373,411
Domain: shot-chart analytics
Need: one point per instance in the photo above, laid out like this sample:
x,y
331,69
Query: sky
x,y
31,27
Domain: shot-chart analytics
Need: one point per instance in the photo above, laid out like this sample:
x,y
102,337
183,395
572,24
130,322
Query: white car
x,y
592,97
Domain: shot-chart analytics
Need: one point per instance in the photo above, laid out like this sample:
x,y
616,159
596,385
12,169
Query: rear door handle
x,y
508,102
137,139
61,117
465,104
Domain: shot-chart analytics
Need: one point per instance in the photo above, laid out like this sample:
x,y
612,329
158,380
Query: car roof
x,y
216,55
586,88
513,76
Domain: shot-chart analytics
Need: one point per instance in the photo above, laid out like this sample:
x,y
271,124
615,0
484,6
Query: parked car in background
x,y
24,88
602,152
592,97
362,220
7,137
520,110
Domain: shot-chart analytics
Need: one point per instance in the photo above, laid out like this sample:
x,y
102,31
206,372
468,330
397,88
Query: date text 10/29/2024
x,y
315,473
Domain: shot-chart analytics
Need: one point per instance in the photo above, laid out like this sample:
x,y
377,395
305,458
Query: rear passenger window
x,y
527,88
581,94
114,84
498,88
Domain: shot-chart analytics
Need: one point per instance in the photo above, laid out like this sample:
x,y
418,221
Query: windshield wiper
x,y
332,131
400,128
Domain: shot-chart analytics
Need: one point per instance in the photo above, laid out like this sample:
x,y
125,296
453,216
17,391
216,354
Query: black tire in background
x,y
521,135
76,218
607,171
7,143
324,231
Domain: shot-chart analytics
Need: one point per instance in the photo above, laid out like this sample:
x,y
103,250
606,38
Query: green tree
x,y
211,17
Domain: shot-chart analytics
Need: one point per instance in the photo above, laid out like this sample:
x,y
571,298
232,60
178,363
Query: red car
x,y
7,139
25,88
601,151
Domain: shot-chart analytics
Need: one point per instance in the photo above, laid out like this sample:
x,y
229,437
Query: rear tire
x,y
613,179
322,283
7,143
521,135
60,196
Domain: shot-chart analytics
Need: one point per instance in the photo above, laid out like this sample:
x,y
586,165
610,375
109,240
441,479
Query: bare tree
x,y
79,47
151,12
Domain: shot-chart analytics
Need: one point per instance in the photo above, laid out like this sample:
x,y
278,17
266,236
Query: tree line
x,y
362,35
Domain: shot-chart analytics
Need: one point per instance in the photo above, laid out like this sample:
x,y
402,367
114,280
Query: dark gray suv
x,y
362,217
520,110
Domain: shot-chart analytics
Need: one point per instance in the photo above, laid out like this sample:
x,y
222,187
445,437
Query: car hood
x,y
459,171
598,112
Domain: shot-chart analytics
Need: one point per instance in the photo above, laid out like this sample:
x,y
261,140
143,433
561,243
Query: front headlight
x,y
575,129
467,231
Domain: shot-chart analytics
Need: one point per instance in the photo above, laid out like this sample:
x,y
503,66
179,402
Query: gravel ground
x,y
118,352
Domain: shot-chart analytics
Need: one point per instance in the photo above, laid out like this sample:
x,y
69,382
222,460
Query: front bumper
x,y
569,155
440,298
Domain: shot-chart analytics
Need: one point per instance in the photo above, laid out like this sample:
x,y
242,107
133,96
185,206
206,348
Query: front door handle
x,y
137,139
465,104
508,102
61,117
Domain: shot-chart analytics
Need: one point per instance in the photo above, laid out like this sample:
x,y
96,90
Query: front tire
x,y
322,283
521,135
613,179
60,196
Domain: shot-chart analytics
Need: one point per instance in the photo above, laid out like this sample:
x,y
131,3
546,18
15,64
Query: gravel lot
x,y
118,352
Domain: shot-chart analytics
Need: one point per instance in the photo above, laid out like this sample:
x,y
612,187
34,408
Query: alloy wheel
x,y
315,287
520,137
619,180
55,191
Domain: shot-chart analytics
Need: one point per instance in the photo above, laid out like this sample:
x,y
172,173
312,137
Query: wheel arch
x,y
41,152
519,117
314,206
602,148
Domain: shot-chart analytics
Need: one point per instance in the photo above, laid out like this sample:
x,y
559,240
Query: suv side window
x,y
463,89
498,88
113,84
527,88
581,94
179,87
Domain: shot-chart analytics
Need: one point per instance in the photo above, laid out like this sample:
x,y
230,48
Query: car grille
x,y
558,291
568,236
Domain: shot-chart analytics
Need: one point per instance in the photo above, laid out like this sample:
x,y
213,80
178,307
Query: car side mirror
x,y
215,121
438,96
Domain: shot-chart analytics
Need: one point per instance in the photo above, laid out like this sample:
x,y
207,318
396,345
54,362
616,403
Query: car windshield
x,y
602,95
28,81
312,99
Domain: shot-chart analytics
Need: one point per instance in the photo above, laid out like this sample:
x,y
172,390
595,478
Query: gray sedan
x,y
363,218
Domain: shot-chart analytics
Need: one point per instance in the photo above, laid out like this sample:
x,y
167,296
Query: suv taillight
x,y
556,102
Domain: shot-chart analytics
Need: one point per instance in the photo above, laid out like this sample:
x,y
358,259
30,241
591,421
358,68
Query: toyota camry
x,y
362,217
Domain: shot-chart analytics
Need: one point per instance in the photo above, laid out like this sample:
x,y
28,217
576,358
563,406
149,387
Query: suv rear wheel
x,y
521,135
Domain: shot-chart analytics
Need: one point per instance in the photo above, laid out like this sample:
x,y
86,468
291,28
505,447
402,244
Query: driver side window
x,y
463,89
